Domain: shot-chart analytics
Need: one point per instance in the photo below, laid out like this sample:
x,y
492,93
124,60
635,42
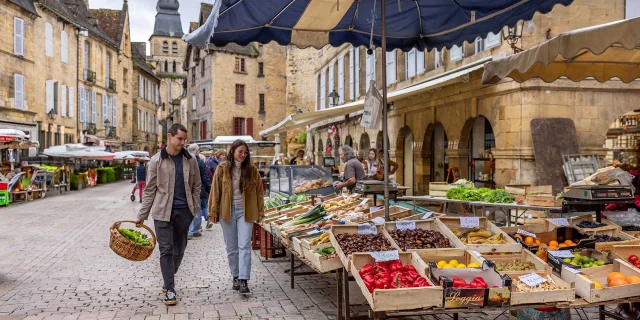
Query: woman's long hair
x,y
245,172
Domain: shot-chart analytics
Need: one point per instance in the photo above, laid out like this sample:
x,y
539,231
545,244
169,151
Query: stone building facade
x,y
439,124
145,103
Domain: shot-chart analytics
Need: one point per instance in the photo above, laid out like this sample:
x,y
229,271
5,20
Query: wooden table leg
x,y
347,303
292,271
340,297
601,312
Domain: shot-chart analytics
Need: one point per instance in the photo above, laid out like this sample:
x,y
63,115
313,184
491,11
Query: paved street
x,y
55,263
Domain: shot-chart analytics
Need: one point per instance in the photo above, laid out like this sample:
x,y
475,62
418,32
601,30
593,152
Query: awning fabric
x,y
298,120
602,52
422,24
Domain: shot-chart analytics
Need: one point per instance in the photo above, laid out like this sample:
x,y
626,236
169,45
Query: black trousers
x,y
172,241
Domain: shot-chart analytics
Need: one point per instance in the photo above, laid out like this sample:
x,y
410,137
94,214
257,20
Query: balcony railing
x,y
111,84
91,128
111,132
89,76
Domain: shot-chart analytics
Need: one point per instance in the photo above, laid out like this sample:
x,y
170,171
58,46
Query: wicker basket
x,y
127,248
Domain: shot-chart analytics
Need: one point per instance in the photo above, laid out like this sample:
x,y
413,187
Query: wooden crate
x,y
340,229
422,258
439,189
420,215
608,246
517,189
397,299
395,212
586,289
524,255
322,264
574,221
539,190
543,200
445,224
424,224
565,294
623,252
308,249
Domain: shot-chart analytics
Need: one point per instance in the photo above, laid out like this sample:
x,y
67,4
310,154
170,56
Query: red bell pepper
x,y
366,269
479,282
369,282
395,282
411,276
379,264
383,282
395,265
458,282
420,282
382,270
408,268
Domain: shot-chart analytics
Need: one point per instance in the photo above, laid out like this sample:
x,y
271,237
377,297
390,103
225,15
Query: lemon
x,y
460,266
597,283
447,266
441,263
453,262
473,265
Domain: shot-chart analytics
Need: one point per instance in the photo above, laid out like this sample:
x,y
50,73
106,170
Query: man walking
x,y
141,179
172,198
194,229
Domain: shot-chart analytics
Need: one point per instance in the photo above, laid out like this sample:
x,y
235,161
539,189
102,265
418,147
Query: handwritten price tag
x,y
283,218
314,232
427,215
572,270
476,253
378,220
406,225
367,228
329,216
469,222
526,233
382,256
364,201
562,254
563,222
532,279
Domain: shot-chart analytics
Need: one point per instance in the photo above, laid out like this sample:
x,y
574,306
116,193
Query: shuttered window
x,y
410,64
114,115
82,105
437,60
94,107
18,36
140,86
48,31
456,53
193,102
238,126
492,40
323,90
371,68
249,127
420,62
49,95
64,47
72,102
356,54
341,79
352,68
331,84
63,101
391,68
18,91
239,93
105,108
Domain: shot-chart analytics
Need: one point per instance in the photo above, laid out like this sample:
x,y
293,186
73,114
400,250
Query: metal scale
x,y
370,186
595,197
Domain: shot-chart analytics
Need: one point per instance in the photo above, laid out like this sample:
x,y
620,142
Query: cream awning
x,y
602,52
298,120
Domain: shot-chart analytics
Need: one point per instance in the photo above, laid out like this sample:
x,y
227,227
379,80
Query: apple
x,y
633,259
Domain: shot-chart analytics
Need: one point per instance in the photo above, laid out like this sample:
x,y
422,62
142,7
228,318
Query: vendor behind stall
x,y
353,170
299,160
379,175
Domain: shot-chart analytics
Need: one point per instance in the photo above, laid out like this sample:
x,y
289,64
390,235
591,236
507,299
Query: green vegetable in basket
x,y
136,236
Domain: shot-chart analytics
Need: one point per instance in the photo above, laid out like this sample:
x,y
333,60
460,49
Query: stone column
x,y
276,149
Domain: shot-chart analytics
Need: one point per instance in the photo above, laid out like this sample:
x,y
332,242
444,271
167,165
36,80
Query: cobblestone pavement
x,y
55,263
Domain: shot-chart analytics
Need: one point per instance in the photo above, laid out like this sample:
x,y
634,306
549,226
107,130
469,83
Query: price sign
x,y
563,222
528,215
283,218
329,216
526,233
469,222
364,201
378,220
572,270
476,253
382,256
427,215
406,225
562,254
367,228
374,209
313,232
532,279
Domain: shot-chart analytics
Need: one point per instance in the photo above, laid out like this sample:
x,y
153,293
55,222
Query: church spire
x,y
168,22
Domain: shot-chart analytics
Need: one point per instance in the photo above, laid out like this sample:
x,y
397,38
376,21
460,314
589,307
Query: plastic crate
x,y
4,186
255,236
270,246
4,198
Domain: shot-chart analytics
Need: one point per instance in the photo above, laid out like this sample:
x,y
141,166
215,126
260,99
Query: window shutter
x,y
94,107
63,101
323,90
391,68
352,68
49,95
18,36
250,127
371,67
64,55
341,79
456,53
18,90
81,110
139,119
49,39
356,56
235,126
420,62
317,100
56,96
436,59
331,86
72,102
193,102
411,63
105,107
491,41
140,87
114,120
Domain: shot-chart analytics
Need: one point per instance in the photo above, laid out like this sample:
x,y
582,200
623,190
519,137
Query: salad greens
x,y
480,194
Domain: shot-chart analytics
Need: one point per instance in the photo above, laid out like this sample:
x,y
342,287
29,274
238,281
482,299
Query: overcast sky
x,y
143,13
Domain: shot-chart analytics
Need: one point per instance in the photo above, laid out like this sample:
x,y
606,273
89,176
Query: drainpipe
x,y
77,91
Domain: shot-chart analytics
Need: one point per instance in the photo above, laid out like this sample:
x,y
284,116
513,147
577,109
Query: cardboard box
x,y
586,289
424,224
559,234
448,224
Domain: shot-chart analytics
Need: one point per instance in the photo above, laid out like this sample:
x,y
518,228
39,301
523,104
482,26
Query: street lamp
x,y
512,35
334,97
107,123
52,114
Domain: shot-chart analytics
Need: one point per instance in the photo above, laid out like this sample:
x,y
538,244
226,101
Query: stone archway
x,y
320,153
434,148
476,138
348,141
365,144
379,140
404,158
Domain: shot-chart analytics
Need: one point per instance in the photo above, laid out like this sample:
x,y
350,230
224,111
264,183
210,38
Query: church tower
x,y
167,53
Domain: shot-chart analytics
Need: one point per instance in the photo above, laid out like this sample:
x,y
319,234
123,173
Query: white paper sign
x,y
367,228
572,270
526,233
406,225
313,232
329,216
374,209
561,253
469,222
427,215
364,201
528,215
560,221
532,279
283,218
385,255
476,253
378,220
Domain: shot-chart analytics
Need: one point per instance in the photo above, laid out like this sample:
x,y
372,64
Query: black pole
x,y
385,130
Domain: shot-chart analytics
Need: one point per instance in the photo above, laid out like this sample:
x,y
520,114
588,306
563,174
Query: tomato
x,y
633,259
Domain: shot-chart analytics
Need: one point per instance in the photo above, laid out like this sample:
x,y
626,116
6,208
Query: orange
x,y
633,279
562,245
528,240
537,242
584,275
518,236
568,242
553,243
614,275
618,282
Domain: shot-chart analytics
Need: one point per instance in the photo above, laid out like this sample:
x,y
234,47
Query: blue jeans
x,y
237,238
197,220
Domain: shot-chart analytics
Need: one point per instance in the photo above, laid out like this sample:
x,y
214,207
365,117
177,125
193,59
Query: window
x,y
331,84
165,47
140,86
492,40
64,44
193,76
114,113
63,101
18,91
391,68
48,28
341,79
94,107
125,78
260,69
174,48
193,102
240,67
166,66
239,93
323,91
456,53
631,9
174,67
479,45
72,102
49,98
107,74
437,59
82,104
204,97
105,108
371,68
202,63
139,120
261,101
242,126
18,36
86,59
414,63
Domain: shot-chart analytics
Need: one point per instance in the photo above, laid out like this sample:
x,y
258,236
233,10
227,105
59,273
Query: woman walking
x,y
237,201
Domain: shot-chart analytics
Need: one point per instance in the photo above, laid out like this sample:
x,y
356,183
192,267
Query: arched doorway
x,y
365,144
320,153
434,151
348,141
406,140
481,142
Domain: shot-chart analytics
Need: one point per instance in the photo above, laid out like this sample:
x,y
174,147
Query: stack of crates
x,y
4,194
270,246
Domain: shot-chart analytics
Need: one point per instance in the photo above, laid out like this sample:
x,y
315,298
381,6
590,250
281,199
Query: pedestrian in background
x,y
237,201
141,179
173,199
194,229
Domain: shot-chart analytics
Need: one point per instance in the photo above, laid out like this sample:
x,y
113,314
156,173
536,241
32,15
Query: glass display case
x,y
298,179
